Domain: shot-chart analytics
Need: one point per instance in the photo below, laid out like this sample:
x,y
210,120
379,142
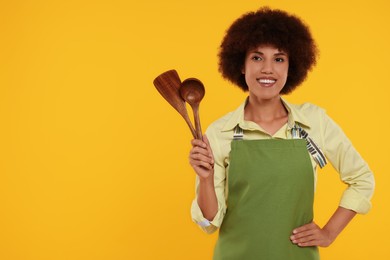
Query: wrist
x,y
206,180
338,222
330,234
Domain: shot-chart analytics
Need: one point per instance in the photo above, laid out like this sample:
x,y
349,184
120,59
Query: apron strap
x,y
312,147
238,133
297,133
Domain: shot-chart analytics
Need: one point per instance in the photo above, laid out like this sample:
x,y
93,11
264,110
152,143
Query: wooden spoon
x,y
192,91
168,84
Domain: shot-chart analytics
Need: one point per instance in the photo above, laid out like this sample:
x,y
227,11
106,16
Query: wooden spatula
x,y
168,85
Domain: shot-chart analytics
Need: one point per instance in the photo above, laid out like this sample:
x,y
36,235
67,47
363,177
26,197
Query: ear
x,y
243,70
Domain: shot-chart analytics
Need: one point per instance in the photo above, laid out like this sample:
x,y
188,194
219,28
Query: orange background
x,y
93,161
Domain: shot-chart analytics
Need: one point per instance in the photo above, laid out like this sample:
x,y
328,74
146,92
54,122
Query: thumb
x,y
206,140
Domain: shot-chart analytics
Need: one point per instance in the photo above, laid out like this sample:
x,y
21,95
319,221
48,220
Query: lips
x,y
267,82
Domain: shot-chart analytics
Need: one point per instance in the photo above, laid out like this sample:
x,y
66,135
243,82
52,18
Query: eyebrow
x,y
276,54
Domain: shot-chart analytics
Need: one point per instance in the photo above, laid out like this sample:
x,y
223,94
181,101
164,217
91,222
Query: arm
x,y
354,172
208,225
202,161
312,235
352,168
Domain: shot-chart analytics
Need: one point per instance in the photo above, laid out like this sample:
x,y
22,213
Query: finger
x,y
305,227
308,243
206,140
200,150
197,142
304,239
197,163
201,158
304,233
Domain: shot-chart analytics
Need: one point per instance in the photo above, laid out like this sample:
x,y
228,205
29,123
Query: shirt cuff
x,y
206,225
353,200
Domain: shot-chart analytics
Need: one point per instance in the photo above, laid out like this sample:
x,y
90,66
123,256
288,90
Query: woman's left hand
x,y
311,235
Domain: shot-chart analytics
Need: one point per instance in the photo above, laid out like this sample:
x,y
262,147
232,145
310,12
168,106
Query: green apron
x,y
271,192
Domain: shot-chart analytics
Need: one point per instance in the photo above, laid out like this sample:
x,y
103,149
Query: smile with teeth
x,y
267,81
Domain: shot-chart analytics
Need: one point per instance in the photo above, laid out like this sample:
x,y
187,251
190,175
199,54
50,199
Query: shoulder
x,y
308,114
217,134
228,121
219,124
220,134
308,109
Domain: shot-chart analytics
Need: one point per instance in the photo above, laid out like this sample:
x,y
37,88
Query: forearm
x,y
339,220
207,198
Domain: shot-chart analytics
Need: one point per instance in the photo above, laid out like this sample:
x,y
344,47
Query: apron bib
x,y
271,192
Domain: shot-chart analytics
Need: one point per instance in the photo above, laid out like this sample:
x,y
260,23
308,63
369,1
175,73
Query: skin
x,y
265,108
312,235
201,159
264,105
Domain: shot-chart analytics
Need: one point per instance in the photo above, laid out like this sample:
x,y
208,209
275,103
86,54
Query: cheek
x,y
283,74
249,80
283,71
287,69
246,78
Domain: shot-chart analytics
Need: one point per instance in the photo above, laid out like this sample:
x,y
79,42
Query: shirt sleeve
x,y
219,184
353,170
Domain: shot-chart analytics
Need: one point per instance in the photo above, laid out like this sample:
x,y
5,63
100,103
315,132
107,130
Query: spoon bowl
x,y
192,91
168,85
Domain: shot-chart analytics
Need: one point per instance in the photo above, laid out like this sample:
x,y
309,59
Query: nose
x,y
267,67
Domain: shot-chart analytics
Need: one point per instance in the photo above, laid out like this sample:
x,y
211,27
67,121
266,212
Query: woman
x,y
256,165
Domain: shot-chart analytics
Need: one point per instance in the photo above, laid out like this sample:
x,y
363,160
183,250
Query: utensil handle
x,y
199,134
188,121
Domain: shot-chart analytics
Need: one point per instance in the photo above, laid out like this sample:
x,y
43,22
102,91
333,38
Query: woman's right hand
x,y
201,158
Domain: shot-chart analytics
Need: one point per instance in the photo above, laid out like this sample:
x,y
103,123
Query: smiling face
x,y
266,70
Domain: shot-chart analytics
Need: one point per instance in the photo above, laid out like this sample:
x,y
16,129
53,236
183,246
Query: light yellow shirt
x,y
337,148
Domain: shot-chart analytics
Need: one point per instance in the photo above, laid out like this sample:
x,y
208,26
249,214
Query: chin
x,y
266,96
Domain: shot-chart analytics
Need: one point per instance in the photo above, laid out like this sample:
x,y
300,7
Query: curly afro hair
x,y
269,27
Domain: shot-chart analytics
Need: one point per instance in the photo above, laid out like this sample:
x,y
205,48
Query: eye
x,y
279,59
256,58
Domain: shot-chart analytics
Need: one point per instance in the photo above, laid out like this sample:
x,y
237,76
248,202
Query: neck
x,y
264,110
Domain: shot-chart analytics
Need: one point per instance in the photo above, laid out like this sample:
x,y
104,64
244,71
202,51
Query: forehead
x,y
267,49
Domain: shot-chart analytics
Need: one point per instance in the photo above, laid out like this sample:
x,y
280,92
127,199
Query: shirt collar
x,y
294,116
